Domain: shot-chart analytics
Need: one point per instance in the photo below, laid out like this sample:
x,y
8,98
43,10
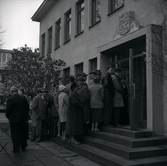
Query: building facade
x,y
93,34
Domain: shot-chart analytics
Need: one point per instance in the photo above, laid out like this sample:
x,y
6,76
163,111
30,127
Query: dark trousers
x,y
54,128
117,115
108,108
40,130
18,136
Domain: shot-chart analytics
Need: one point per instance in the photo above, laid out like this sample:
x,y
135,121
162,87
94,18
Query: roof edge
x,y
42,10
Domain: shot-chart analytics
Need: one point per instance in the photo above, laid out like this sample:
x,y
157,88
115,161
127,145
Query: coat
x,y
118,100
39,107
74,115
62,111
108,84
84,94
96,96
17,109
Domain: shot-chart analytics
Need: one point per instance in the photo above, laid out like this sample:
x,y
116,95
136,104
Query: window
x,y
57,33
115,4
43,44
68,26
80,16
78,68
66,75
50,40
93,64
3,59
96,7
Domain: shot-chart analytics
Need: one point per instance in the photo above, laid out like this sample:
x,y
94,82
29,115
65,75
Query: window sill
x,y
79,33
67,41
94,24
57,48
49,52
111,12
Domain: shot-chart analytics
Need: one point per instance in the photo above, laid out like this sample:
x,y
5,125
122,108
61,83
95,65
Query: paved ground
x,y
42,154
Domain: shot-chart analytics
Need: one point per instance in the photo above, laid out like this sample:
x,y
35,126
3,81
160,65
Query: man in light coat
x,y
39,106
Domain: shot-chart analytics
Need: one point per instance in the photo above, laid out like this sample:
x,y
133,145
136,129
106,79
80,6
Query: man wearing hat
x,y
84,77
39,107
84,93
108,95
118,100
17,109
92,74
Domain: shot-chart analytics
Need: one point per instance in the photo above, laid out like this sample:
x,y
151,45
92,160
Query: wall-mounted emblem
x,y
127,24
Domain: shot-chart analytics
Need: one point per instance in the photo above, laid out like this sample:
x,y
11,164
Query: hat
x,y
71,78
13,89
97,72
92,72
118,70
82,74
61,88
80,78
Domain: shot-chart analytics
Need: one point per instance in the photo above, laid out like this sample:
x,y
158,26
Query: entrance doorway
x,y
132,62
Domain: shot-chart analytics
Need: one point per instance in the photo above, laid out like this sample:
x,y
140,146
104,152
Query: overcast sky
x,y
15,19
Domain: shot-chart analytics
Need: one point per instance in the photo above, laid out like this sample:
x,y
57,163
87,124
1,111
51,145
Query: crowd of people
x,y
69,111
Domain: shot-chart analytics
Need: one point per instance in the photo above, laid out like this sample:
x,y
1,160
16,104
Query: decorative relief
x,y
127,24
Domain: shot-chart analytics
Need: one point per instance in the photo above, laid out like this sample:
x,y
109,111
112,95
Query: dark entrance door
x,y
133,65
137,84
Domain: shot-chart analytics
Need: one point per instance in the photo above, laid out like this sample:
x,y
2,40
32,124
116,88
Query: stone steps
x,y
121,147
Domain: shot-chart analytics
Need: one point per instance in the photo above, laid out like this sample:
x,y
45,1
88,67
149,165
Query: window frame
x,y
66,75
43,44
50,31
78,67
93,64
79,11
111,6
57,33
94,10
67,28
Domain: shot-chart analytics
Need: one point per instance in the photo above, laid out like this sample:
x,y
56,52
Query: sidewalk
x,y
41,154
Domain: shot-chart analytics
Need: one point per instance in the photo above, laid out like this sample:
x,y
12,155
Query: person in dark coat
x,y
17,109
74,115
108,95
21,92
84,93
118,96
124,114
53,112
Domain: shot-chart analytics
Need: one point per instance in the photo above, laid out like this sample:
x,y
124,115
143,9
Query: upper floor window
x,y
80,16
67,34
50,40
57,33
43,44
115,4
96,7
